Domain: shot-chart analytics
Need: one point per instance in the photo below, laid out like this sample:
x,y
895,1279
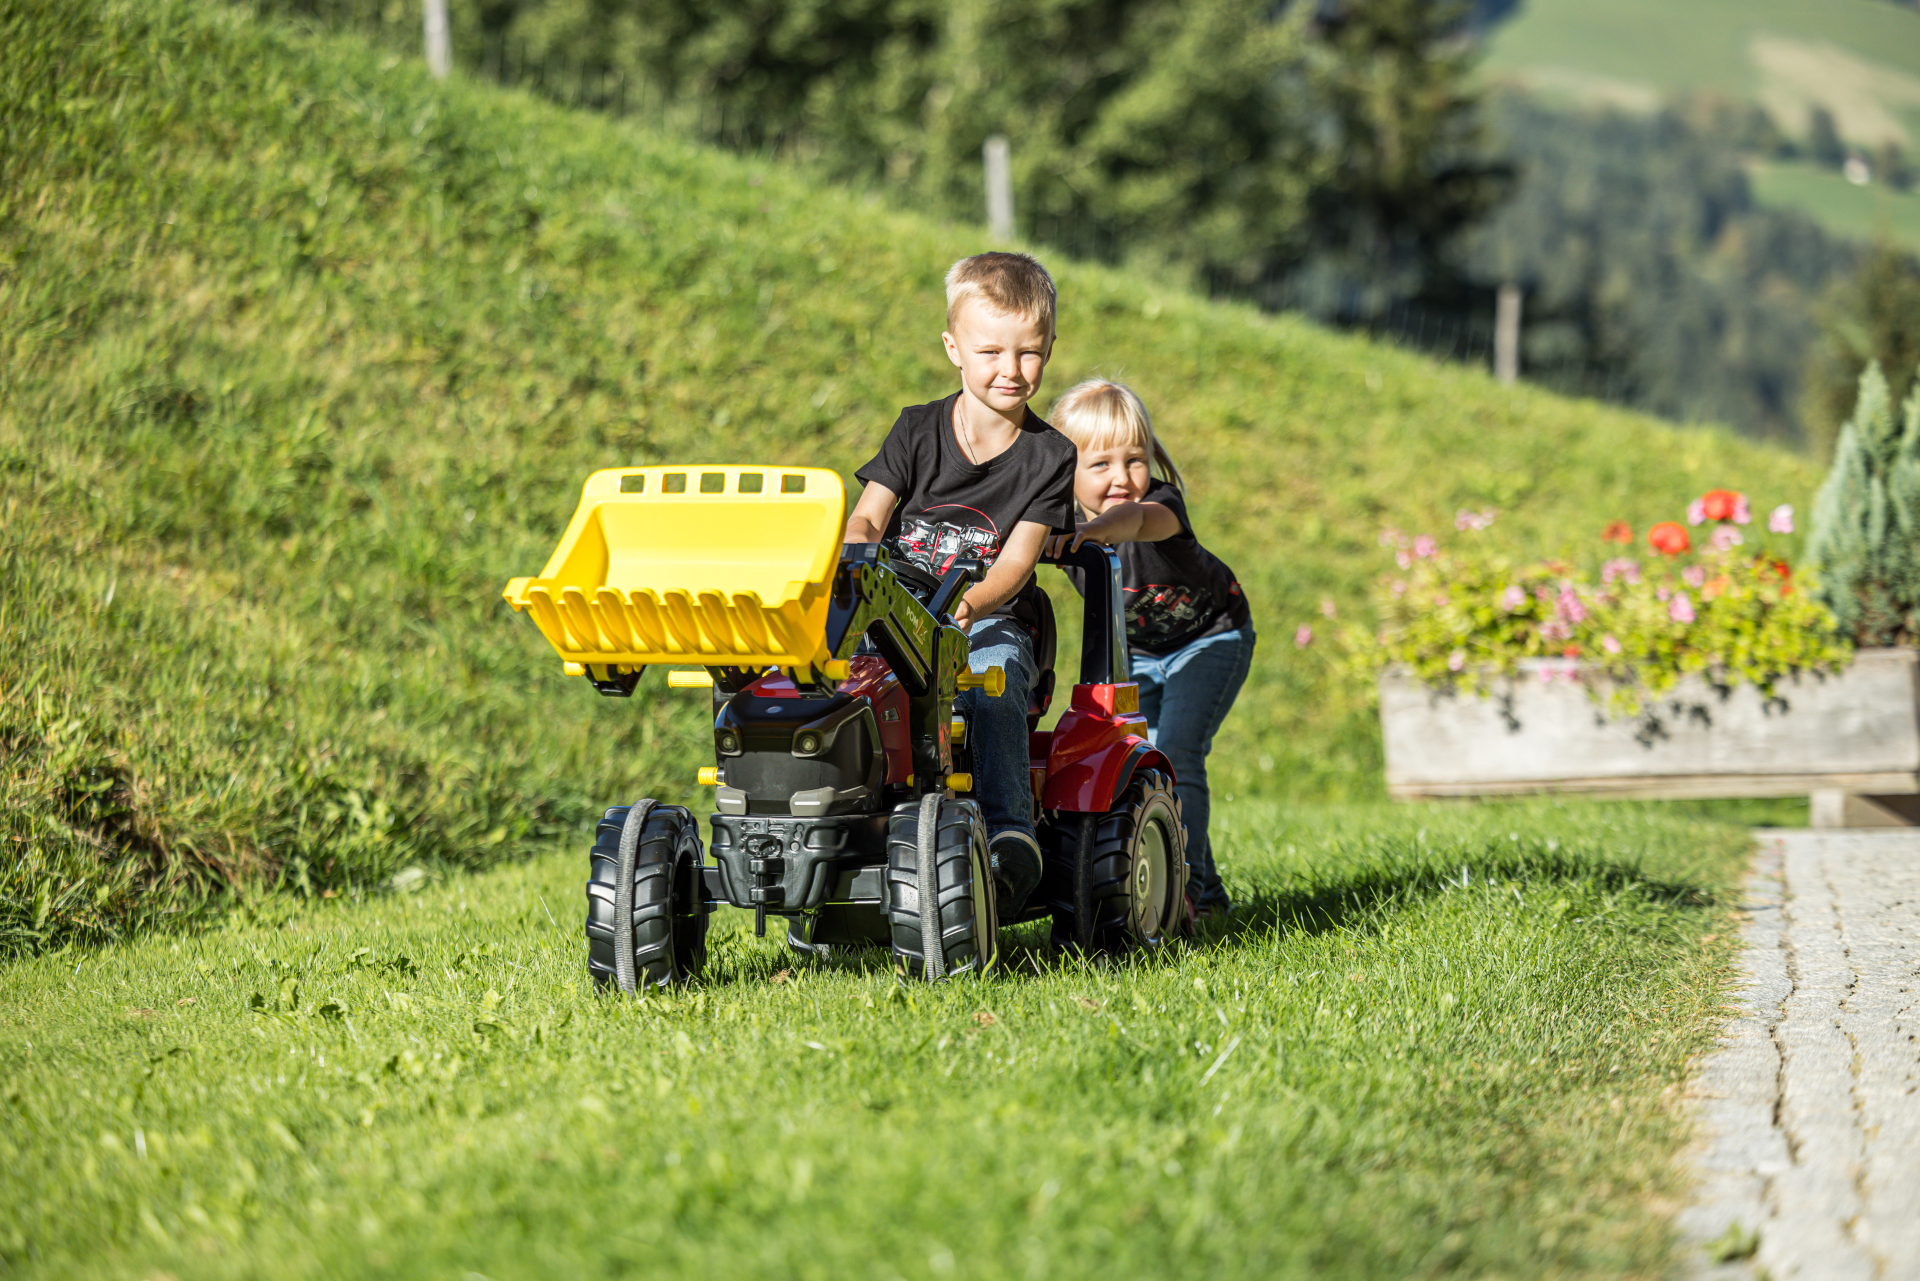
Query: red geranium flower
x,y
1618,531
1668,538
1719,504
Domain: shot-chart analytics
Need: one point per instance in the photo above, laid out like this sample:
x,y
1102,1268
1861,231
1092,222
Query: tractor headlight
x,y
728,742
806,742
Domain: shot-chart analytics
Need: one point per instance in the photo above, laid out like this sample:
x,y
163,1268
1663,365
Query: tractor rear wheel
x,y
1135,879
667,924
949,929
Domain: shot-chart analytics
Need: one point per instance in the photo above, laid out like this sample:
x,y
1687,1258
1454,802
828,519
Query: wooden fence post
x,y
439,39
998,156
1506,334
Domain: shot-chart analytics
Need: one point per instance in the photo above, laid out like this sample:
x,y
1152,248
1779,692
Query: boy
x,y
979,474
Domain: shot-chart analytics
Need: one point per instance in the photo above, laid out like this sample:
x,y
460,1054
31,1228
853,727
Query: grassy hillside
x,y
304,355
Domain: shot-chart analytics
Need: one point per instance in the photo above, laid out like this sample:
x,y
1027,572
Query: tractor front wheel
x,y
940,898
658,846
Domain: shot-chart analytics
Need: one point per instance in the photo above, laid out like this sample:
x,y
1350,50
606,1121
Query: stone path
x,y
1810,1110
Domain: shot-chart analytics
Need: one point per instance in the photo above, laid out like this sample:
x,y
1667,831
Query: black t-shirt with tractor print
x,y
951,508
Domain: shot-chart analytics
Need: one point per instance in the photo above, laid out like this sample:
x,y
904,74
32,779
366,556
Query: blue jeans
x,y
1184,697
997,727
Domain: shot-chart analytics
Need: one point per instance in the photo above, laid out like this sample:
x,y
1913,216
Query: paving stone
x,y
1808,1112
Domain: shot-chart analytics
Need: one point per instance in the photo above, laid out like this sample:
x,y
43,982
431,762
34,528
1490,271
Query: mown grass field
x,y
305,355
1864,213
1446,1042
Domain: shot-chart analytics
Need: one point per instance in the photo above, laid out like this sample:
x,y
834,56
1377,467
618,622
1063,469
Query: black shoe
x,y
1016,870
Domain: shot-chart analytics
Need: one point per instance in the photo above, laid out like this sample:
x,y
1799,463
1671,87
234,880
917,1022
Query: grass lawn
x,y
1446,1041
1864,213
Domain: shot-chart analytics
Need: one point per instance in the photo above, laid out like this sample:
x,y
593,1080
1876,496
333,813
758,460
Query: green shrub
x,y
1866,519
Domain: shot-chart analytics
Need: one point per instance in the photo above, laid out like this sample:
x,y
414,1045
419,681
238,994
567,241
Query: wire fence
x,y
1451,334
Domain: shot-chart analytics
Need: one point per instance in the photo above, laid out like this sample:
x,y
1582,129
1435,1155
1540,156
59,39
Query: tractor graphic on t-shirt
x,y
933,545
1161,610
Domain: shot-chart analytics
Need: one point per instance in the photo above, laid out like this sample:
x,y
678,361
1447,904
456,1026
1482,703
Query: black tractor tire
x,y
669,899
1135,887
965,940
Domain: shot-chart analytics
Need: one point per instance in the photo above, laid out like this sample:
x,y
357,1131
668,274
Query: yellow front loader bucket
x,y
714,565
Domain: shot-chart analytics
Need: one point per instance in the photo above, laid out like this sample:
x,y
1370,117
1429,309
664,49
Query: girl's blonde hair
x,y
1099,414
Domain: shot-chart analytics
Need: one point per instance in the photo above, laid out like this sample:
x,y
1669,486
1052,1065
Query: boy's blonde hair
x,y
1100,414
1011,284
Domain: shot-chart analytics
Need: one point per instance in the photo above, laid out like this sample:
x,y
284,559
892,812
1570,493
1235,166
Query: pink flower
x,y
1681,609
1741,513
1466,519
1725,538
1303,637
1609,644
1570,607
1664,593
1424,546
1389,536
1457,661
1621,568
1695,575
1327,610
1780,519
1399,587
1555,629
1696,511
1440,601
1513,598
1403,558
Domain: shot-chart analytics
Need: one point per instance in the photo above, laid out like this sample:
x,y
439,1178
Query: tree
x,y
1401,124
1871,317
1823,139
1865,537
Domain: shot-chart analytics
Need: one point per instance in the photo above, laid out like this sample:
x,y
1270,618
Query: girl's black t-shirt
x,y
1176,590
950,507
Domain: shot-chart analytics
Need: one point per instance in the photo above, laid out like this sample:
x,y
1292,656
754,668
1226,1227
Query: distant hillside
x,y
306,354
1858,59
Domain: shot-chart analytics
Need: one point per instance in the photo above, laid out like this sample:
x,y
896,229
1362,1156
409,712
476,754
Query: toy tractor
x,y
841,772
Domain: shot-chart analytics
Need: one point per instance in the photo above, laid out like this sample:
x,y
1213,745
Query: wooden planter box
x,y
1851,740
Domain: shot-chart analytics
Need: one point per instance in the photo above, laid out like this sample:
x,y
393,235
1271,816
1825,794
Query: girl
x,y
1187,621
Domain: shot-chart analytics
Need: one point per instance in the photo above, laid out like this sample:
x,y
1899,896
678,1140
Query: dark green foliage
x,y
1871,316
1823,139
1409,171
1865,538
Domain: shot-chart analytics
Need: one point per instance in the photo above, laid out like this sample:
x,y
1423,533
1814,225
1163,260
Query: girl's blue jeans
x,y
1185,696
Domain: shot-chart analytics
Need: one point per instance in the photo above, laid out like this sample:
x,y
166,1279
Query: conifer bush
x,y
1865,536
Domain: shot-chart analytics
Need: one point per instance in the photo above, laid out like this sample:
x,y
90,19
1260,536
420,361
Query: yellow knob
x,y
960,782
697,678
574,669
993,680
709,776
957,732
836,669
